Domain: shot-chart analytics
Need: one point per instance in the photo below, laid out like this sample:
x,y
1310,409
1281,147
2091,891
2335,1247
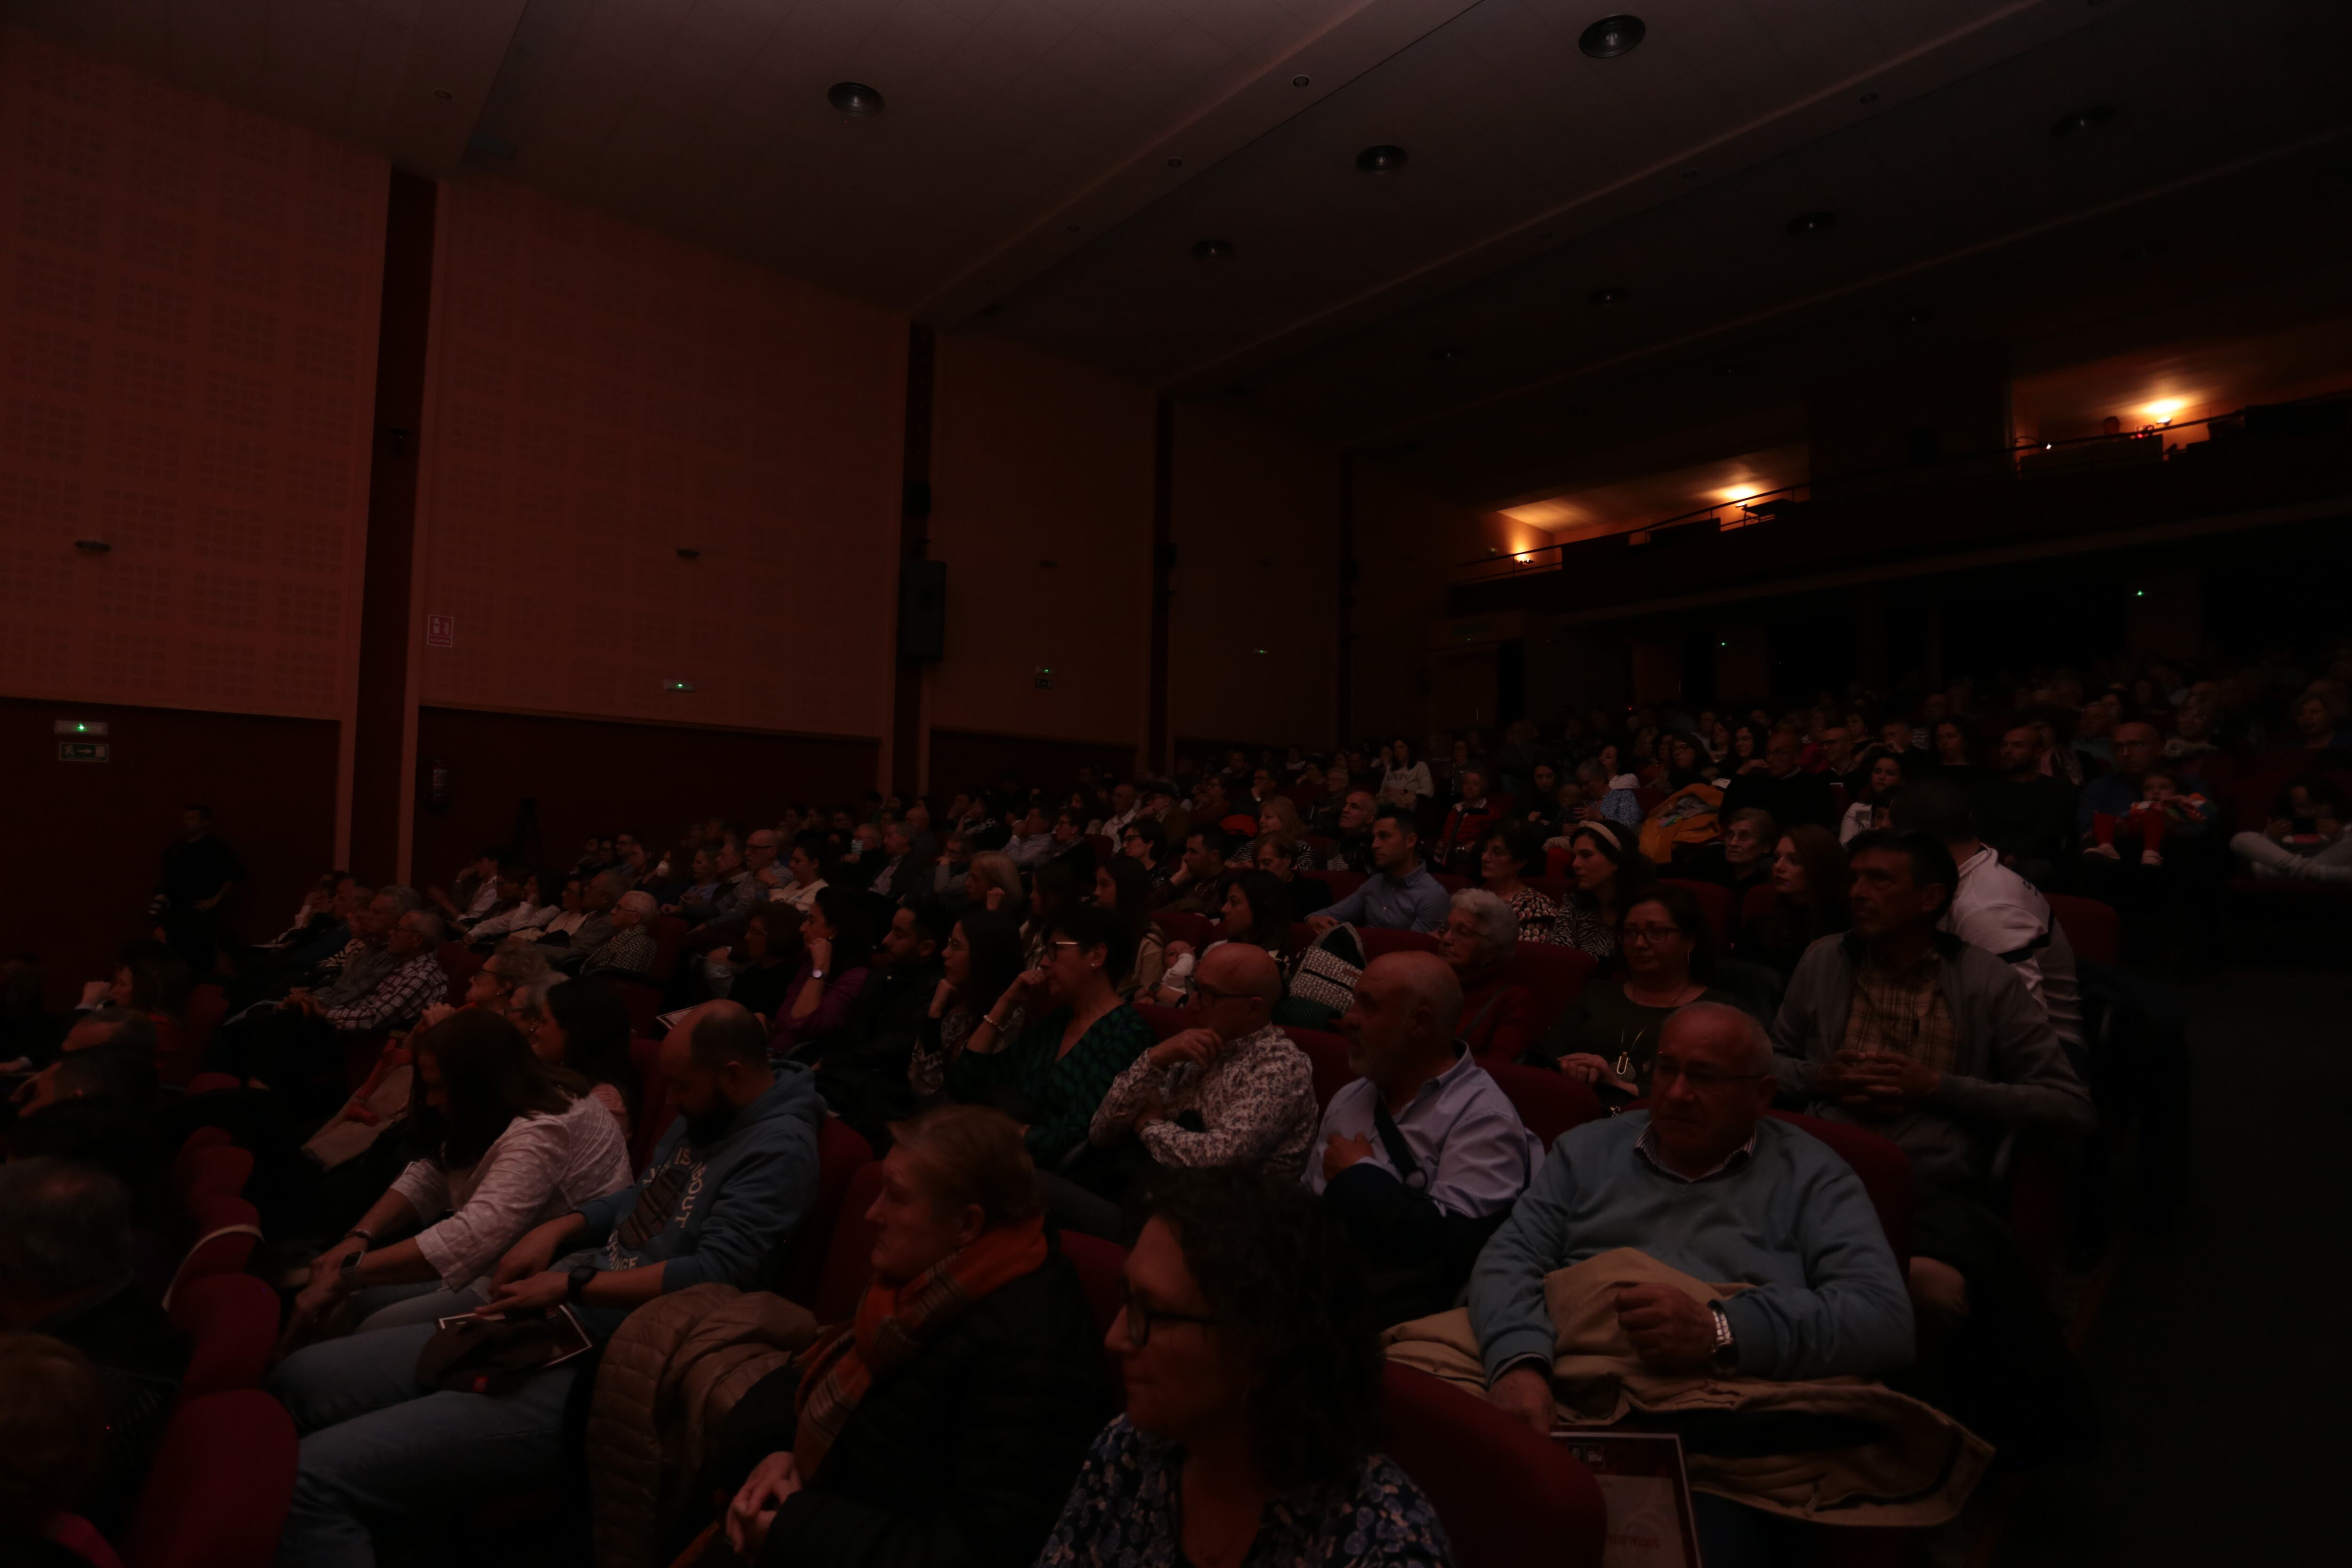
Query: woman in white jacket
x,y
1404,781
515,1144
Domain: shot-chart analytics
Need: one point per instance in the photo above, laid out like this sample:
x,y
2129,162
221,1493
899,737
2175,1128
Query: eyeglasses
x,y
1141,1315
1700,1077
1652,933
1209,995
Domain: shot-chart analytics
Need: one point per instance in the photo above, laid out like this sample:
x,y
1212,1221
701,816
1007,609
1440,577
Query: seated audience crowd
x,y
1413,1038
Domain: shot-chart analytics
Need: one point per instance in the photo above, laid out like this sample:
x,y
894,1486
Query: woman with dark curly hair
x,y
1252,1380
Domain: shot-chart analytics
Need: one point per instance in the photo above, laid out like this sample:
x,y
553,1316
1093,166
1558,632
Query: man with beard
x,y
726,1186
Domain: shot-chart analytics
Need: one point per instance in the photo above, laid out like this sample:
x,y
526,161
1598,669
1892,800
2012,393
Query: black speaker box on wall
x,y
923,610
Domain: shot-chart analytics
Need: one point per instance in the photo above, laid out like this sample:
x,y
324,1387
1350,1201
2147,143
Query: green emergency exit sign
x,y
82,751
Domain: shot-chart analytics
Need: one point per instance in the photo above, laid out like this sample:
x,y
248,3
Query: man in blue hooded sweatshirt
x,y
726,1186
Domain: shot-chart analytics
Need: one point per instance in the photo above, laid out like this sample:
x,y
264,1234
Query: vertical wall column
x,y
1343,725
381,784
1157,752
909,760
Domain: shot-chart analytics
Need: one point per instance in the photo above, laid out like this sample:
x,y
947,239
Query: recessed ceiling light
x,y
1075,227
1606,297
1175,163
1234,389
2144,250
854,98
1727,371
1451,351
443,95
1812,225
1381,160
1611,36
1914,318
990,310
1690,173
1300,80
2082,121
1214,250
1870,98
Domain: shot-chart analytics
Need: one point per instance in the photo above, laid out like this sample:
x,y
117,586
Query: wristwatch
x,y
366,1235
346,1272
1727,1354
577,1282
816,974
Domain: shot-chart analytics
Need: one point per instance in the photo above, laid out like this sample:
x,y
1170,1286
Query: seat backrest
x,y
1550,1102
1884,1167
212,1082
1328,1055
1164,1021
1550,887
849,1252
1103,849
654,1112
1379,939
217,1170
2093,929
1183,925
461,963
1102,1270
1450,882
640,998
1757,904
226,1230
1341,883
1714,903
1556,861
840,1149
232,1320
217,1491
1506,1497
669,935
1553,973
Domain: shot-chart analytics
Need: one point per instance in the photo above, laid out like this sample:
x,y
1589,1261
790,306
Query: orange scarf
x,y
892,1324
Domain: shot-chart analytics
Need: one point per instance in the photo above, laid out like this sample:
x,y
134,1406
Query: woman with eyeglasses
x,y
1253,1378
1079,1038
940,1427
1609,1034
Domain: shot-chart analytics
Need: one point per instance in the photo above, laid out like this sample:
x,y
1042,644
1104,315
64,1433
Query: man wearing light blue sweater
x,y
1704,1183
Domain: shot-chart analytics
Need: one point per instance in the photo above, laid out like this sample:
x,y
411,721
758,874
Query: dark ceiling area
x,y
1494,243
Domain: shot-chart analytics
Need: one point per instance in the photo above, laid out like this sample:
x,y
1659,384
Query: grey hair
x,y
637,900
1498,928
1591,768
430,926
517,961
64,1228
1751,1029
614,881
531,997
403,899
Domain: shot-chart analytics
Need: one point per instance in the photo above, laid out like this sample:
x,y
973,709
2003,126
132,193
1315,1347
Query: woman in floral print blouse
x,y
1253,1396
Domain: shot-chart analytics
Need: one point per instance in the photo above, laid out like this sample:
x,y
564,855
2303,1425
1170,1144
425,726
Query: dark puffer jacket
x,y
961,1458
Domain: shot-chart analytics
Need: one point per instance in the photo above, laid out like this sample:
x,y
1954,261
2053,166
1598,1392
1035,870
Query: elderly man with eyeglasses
x,y
1704,1183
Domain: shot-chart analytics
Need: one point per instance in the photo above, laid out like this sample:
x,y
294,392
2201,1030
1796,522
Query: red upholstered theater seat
x,y
218,1171
641,998
1714,901
1885,1170
1549,1102
1102,1270
226,1230
1555,974
1329,1053
1164,1021
1102,846
217,1491
212,1082
840,1149
1187,927
461,963
848,1253
232,1322
2093,929
1341,883
654,1112
1507,1497
1450,882
1755,905
669,935
1556,864
1551,887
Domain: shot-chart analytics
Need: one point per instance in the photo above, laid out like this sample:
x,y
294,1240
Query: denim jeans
x,y
376,1444
381,1307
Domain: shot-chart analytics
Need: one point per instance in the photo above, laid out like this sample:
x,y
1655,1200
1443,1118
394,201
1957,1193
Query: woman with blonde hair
x,y
1278,818
992,882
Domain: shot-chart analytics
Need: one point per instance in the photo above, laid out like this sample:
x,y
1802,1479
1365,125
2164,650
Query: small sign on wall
x,y
440,631
83,751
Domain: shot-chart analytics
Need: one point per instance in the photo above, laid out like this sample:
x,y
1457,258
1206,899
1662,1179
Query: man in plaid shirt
x,y
412,981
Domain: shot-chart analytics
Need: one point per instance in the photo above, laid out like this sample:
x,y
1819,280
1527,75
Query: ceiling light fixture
x,y
1607,297
1812,225
2082,121
1381,160
1611,36
854,99
1175,163
1300,80
1451,351
1870,98
442,95
1914,318
2143,251
1214,250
